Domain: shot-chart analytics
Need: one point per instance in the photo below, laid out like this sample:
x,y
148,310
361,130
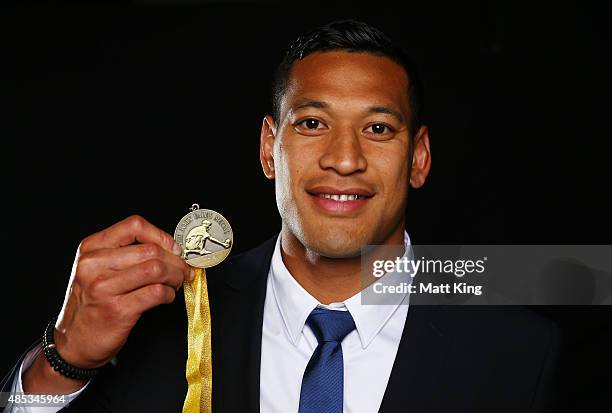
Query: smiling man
x,y
343,145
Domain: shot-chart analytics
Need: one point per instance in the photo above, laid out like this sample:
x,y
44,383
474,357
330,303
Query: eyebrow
x,y
372,109
310,104
388,111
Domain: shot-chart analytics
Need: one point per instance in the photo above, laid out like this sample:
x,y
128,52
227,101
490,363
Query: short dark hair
x,y
351,36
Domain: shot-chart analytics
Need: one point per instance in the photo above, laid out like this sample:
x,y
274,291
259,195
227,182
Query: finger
x,y
147,297
146,273
125,257
128,231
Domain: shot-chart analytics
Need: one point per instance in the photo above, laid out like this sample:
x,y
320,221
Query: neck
x,y
328,280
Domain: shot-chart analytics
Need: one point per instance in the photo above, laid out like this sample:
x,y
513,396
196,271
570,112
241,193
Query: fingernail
x,y
177,249
191,275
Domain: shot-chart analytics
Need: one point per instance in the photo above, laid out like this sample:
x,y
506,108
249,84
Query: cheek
x,y
282,178
289,168
392,169
392,173
400,176
297,157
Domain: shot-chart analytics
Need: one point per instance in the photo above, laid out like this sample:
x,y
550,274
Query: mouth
x,y
341,197
340,201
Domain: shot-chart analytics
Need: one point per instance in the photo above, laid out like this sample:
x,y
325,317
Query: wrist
x,y
69,352
41,378
58,363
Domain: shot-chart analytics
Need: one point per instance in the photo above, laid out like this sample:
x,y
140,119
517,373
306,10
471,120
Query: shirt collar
x,y
295,303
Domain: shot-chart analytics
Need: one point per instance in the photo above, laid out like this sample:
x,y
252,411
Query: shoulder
x,y
513,341
497,353
504,327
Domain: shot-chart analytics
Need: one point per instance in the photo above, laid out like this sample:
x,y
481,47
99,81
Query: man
x,y
289,332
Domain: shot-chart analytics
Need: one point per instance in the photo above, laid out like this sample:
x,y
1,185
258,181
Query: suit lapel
x,y
237,295
419,362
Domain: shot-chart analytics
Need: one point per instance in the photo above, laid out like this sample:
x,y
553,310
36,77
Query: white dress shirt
x,y
287,344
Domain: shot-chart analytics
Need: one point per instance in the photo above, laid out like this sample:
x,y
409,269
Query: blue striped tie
x,y
323,382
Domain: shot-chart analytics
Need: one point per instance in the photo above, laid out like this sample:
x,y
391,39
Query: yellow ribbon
x,y
199,354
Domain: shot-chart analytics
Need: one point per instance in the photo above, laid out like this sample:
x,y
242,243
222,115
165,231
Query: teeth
x,y
341,198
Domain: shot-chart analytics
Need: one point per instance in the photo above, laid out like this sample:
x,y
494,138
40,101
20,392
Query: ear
x,y
421,158
266,146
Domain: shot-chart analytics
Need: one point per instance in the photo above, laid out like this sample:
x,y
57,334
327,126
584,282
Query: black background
x,y
147,108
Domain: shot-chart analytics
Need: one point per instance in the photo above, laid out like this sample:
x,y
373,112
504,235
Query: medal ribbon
x,y
199,354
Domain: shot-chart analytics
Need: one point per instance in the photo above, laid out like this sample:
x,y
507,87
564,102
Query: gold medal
x,y
206,238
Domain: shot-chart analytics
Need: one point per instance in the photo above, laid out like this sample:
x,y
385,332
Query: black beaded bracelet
x,y
58,363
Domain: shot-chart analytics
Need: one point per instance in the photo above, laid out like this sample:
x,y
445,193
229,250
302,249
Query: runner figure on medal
x,y
197,237
199,233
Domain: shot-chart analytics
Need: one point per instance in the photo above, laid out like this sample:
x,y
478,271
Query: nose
x,y
344,153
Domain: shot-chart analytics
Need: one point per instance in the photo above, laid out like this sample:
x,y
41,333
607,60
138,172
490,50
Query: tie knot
x,y
330,325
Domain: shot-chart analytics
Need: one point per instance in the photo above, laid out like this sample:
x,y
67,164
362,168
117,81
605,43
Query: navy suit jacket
x,y
450,358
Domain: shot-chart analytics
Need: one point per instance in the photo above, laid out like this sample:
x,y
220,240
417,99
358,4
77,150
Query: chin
x,y
336,243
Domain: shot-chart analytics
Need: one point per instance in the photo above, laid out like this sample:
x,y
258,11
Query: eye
x,y
379,129
310,123
310,126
